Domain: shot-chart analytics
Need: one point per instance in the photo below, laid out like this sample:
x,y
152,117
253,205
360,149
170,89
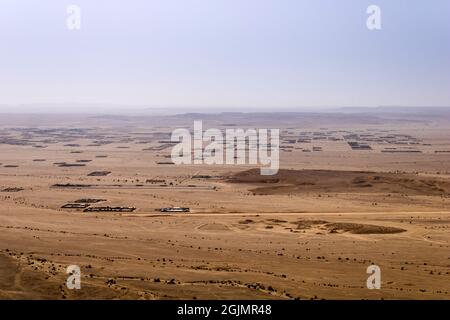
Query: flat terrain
x,y
353,190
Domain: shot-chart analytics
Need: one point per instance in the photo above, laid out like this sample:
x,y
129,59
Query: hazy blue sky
x,y
265,53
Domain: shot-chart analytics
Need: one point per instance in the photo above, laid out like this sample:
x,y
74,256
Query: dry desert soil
x,y
308,232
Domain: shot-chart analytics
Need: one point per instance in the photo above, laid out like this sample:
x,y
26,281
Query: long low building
x,y
109,209
175,209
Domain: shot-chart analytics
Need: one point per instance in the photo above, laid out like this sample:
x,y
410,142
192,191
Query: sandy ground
x,y
305,234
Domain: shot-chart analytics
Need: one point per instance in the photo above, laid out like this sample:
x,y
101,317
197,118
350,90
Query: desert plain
x,y
354,189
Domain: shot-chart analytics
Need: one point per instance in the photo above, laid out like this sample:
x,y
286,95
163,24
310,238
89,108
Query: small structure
x,y
155,181
175,209
99,173
12,189
165,162
70,185
89,200
68,165
75,206
359,146
109,209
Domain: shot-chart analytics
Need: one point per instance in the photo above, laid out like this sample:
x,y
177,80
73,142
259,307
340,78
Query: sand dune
x,y
302,181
